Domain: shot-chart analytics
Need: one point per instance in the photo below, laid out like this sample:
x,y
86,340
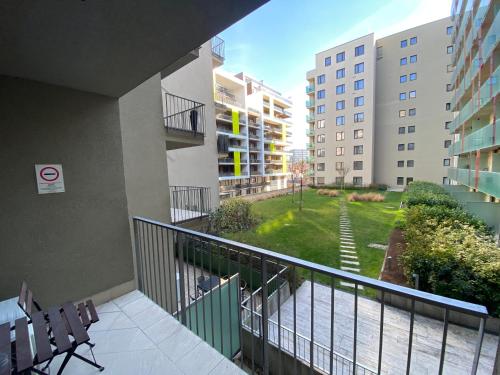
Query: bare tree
x,y
343,171
299,169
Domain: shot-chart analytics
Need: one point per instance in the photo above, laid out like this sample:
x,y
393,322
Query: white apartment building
x,y
380,109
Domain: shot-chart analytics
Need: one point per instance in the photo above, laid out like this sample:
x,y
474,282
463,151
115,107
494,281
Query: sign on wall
x,y
49,178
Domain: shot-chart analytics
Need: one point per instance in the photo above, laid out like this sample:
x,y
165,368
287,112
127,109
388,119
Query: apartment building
x,y
475,79
380,109
299,154
253,134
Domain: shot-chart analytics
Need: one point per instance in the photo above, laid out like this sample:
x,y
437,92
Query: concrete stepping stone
x,y
353,262
348,256
348,246
350,269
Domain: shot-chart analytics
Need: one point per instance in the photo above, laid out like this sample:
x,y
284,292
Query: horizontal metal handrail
x,y
184,114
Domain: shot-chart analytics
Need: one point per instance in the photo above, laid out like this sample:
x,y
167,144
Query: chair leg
x,y
93,363
65,361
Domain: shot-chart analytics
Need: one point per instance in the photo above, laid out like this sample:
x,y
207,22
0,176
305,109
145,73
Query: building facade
x,y
380,110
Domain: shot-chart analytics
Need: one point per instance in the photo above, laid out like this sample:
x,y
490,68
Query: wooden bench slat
x,y
43,348
5,354
93,313
78,331
24,360
59,330
22,295
29,303
83,314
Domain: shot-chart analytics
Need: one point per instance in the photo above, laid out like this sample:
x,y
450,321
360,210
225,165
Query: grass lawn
x,y
313,233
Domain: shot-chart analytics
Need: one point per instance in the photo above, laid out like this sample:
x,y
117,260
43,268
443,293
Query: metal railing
x,y
189,203
173,262
184,115
218,48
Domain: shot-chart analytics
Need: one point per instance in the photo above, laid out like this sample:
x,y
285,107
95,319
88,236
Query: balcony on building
x,y
218,51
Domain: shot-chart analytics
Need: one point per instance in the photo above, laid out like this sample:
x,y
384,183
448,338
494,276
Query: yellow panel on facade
x,y
285,166
272,147
237,163
236,122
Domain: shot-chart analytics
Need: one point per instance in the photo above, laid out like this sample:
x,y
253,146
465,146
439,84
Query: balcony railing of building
x,y
232,295
189,203
310,89
218,48
184,115
486,137
310,132
487,182
254,124
310,103
225,96
310,146
310,117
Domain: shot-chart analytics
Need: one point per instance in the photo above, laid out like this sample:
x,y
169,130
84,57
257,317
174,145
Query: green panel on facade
x,y
236,122
237,163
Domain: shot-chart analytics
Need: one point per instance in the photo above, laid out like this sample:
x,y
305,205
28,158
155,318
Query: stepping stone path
x,y
348,257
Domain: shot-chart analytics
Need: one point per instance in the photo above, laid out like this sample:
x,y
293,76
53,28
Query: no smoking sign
x,y
49,178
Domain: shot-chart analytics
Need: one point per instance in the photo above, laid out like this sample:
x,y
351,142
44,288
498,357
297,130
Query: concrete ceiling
x,y
107,46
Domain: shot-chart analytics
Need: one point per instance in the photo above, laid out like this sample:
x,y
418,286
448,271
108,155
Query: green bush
x,y
427,193
233,215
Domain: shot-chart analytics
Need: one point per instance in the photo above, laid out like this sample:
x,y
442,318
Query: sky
x,y
277,42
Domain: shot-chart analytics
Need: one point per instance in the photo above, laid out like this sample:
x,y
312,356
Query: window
x,y
403,61
449,87
339,181
402,113
321,167
411,129
320,108
449,30
401,147
359,50
339,165
359,101
359,84
411,146
340,73
401,130
401,163
320,124
447,143
339,151
400,181
447,106
340,120
328,61
340,104
321,94
357,181
380,52
402,79
446,162
320,180
408,180
359,68
358,150
358,134
402,96
404,43
321,79
321,138
413,94
340,136
359,117
413,40
449,50
357,165
447,124
412,112
413,76
340,89
410,163
446,181
320,152
340,57
413,59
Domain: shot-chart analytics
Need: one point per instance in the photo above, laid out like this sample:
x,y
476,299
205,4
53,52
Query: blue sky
x,y
278,41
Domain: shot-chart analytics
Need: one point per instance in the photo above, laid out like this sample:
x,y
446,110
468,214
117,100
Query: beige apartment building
x,y
380,109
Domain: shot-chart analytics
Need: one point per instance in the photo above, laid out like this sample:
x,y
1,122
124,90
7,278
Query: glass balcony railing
x,y
309,132
478,140
488,182
310,103
310,117
310,146
309,89
310,159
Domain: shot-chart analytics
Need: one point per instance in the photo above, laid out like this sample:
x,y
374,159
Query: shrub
x,y
367,197
328,192
427,193
233,215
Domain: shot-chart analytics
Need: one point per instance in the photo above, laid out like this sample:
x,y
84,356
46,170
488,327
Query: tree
x,y
343,171
299,169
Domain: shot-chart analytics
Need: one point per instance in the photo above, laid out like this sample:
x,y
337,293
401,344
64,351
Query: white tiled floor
x,y
135,336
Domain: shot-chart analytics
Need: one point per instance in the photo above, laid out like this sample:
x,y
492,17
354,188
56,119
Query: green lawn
x,y
313,233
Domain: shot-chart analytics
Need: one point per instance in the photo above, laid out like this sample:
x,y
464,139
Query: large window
x,y
359,68
411,146
359,50
340,105
413,94
413,59
403,61
359,101
401,163
320,109
410,163
321,138
339,151
328,61
402,79
400,181
340,57
357,181
340,73
357,165
321,167
320,152
359,84
340,120
321,94
413,76
413,40
359,117
340,136
402,96
320,124
404,43
358,133
321,79
358,150
339,165
339,181
340,89
401,130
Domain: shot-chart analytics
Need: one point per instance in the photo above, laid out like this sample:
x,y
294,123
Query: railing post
x,y
180,250
264,321
479,344
138,258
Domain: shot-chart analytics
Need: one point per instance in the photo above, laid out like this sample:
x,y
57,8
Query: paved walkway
x,y
427,335
348,256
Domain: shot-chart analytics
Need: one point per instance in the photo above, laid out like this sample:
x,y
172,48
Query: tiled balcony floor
x,y
136,336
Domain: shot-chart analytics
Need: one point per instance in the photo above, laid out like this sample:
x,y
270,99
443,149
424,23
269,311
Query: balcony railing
x,y
189,203
310,103
218,48
310,146
184,115
488,182
485,137
309,89
310,117
225,96
310,132
253,305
